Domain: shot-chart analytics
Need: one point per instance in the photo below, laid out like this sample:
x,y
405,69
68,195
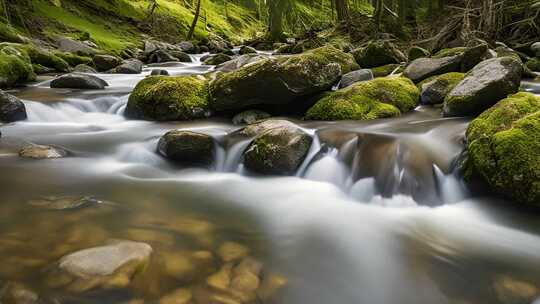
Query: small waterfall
x,y
328,169
450,188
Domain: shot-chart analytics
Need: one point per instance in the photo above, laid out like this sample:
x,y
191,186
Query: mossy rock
x,y
378,53
40,56
386,70
8,34
187,147
15,67
165,98
534,64
450,52
280,80
416,52
377,98
503,145
434,89
73,59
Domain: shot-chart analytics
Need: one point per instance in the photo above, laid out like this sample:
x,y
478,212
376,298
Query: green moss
x,y
378,98
416,52
449,80
169,98
503,147
450,52
73,59
8,34
378,53
386,70
40,56
534,64
15,68
323,56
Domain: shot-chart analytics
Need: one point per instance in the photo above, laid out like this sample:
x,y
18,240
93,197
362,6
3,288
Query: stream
x,y
375,214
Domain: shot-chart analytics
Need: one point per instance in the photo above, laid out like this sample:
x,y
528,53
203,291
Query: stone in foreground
x,y
79,81
187,147
11,108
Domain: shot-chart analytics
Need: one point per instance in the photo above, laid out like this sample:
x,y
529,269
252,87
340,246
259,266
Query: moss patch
x,y
534,64
73,59
15,67
450,52
386,70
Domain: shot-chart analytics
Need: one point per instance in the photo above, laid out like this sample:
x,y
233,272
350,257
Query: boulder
x,y
129,66
79,81
159,72
387,70
187,147
8,33
535,48
279,150
38,55
354,77
42,152
217,59
503,145
109,266
280,80
83,68
423,68
15,67
73,59
473,56
40,70
534,64
169,98
187,46
378,53
377,98
238,62
487,83
160,56
249,117
434,89
181,56
247,50
416,52
11,108
73,46
106,62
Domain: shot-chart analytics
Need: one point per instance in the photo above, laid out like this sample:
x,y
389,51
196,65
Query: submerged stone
x,y
42,152
63,202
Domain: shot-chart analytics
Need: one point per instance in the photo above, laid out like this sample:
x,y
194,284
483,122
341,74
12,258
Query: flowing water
x,y
375,214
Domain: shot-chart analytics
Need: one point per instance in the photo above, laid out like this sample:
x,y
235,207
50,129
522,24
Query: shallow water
x,y
374,215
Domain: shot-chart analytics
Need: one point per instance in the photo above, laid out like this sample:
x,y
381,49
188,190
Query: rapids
x,y
375,214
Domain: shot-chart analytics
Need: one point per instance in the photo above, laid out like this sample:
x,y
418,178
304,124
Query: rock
x,y
45,58
159,72
473,56
247,50
423,68
42,152
165,98
73,59
284,49
487,83
378,98
354,77
69,45
181,56
187,46
513,291
278,150
150,46
503,145
231,251
434,89
63,202
109,266
450,52
40,70
535,48
187,147
8,33
160,56
221,279
11,108
217,59
240,61
249,117
284,78
178,296
15,67
16,293
79,81
378,53
387,70
106,62
534,64
83,68
416,52
270,285
129,66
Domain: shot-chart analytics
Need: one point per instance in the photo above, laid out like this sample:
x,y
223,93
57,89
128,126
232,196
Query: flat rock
x,y
79,81
423,68
42,152
354,77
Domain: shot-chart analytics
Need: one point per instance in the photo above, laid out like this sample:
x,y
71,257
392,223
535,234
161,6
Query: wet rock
x,y
160,56
106,62
63,202
159,72
240,61
221,279
487,83
249,117
378,98
109,266
270,285
512,291
285,79
416,52
42,152
435,89
354,77
181,56
535,48
69,45
378,53
423,68
83,68
187,147
247,50
231,251
129,66
279,150
473,56
11,108
16,293
503,145
217,59
79,81
187,46
165,98
178,296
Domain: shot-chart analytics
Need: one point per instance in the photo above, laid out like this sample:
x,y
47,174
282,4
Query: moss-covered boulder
x,y
169,98
434,89
106,62
503,146
78,81
473,56
217,59
15,67
378,53
7,33
187,147
279,148
534,64
280,80
450,52
387,70
416,52
40,56
378,98
487,83
73,59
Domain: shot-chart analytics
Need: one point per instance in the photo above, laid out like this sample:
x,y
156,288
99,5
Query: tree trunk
x,y
342,9
275,18
195,19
